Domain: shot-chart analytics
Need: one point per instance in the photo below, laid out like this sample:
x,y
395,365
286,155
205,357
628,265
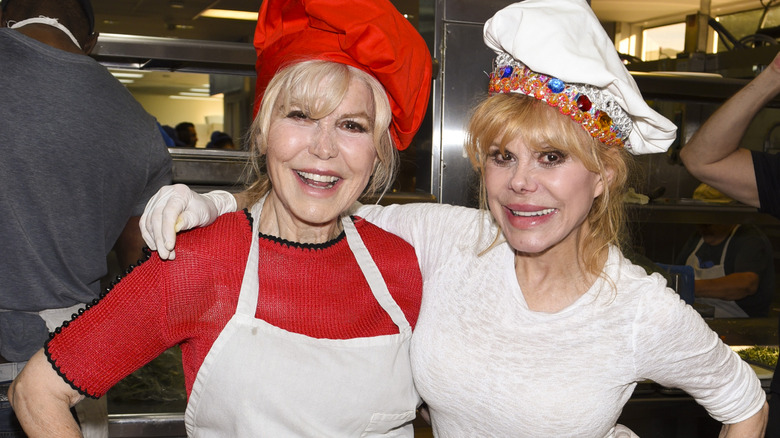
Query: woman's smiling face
x,y
540,197
319,167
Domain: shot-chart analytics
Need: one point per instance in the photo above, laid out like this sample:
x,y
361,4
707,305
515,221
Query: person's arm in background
x,y
749,256
731,287
42,400
713,154
129,247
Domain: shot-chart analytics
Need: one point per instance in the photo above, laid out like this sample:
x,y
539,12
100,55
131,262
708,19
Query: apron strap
x,y
373,275
726,247
247,298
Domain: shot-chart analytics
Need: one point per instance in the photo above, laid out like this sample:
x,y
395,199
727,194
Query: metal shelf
x,y
190,56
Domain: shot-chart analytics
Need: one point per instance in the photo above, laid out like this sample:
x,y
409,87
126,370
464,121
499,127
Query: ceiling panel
x,y
179,18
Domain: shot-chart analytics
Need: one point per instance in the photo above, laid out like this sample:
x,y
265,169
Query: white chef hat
x,y
558,52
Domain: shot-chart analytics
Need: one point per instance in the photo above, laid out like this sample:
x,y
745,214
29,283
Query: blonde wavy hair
x,y
503,117
318,87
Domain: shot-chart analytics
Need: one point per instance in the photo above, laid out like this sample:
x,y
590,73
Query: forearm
x,y
752,427
713,155
42,401
719,136
731,287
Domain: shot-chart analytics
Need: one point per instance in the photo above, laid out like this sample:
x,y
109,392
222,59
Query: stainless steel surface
x,y
154,53
471,11
463,62
146,425
208,167
399,198
731,64
687,211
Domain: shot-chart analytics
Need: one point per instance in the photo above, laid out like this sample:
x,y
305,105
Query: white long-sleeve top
x,y
488,366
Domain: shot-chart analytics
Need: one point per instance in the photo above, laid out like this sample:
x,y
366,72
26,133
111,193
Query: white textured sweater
x,y
488,366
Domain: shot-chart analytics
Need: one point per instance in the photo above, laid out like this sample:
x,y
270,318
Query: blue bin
x,y
684,278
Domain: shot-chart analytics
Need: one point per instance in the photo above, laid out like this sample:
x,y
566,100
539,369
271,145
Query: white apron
x,y
723,308
262,381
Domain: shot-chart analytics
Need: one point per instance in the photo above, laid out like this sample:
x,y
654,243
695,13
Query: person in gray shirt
x,y
80,159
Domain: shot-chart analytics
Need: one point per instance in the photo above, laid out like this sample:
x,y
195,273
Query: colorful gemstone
x,y
583,103
556,85
506,71
604,120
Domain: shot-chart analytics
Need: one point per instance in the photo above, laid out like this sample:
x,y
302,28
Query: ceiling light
x,y
193,98
185,93
178,4
119,74
126,81
200,90
229,14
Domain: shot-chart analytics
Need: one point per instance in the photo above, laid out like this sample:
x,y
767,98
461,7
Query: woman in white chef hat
x,y
533,323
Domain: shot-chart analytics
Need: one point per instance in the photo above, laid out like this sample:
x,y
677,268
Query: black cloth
x,y
767,169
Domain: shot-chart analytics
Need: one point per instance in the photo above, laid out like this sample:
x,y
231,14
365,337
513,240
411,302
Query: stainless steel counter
x,y
146,425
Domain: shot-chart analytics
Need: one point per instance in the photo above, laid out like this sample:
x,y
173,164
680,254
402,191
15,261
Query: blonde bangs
x,y
317,88
316,91
501,118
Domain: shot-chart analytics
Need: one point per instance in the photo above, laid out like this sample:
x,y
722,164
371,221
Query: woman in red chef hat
x,y
293,317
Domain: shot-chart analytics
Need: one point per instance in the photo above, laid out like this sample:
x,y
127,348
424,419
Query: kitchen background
x,y
185,64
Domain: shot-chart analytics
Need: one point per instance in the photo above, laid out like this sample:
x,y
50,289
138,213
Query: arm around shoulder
x,y
42,400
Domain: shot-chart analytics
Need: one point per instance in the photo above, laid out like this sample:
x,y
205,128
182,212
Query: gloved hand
x,y
175,208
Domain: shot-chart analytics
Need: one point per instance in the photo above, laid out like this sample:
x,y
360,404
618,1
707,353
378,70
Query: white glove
x,y
176,208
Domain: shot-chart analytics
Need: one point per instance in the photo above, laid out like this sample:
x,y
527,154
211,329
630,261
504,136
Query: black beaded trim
x,y
310,246
147,255
64,377
249,218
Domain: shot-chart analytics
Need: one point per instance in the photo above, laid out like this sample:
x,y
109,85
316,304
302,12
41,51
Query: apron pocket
x,y
390,425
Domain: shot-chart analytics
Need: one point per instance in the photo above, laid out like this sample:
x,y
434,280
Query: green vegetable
x,y
766,356
161,380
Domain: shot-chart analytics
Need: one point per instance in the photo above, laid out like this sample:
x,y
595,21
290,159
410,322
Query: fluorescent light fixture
x,y
121,74
126,81
185,93
229,14
192,98
200,90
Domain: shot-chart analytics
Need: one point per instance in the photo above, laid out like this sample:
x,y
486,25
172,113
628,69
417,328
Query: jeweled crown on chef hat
x,y
370,35
558,52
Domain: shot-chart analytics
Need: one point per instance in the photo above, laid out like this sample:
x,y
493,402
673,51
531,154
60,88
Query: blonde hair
x,y
503,117
318,87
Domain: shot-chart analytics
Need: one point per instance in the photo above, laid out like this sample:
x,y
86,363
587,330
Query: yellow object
x,y
632,197
710,194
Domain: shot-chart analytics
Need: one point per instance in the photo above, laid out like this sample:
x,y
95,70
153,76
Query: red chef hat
x,y
367,34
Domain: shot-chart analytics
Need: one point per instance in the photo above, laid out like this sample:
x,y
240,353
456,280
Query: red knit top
x,y
315,290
